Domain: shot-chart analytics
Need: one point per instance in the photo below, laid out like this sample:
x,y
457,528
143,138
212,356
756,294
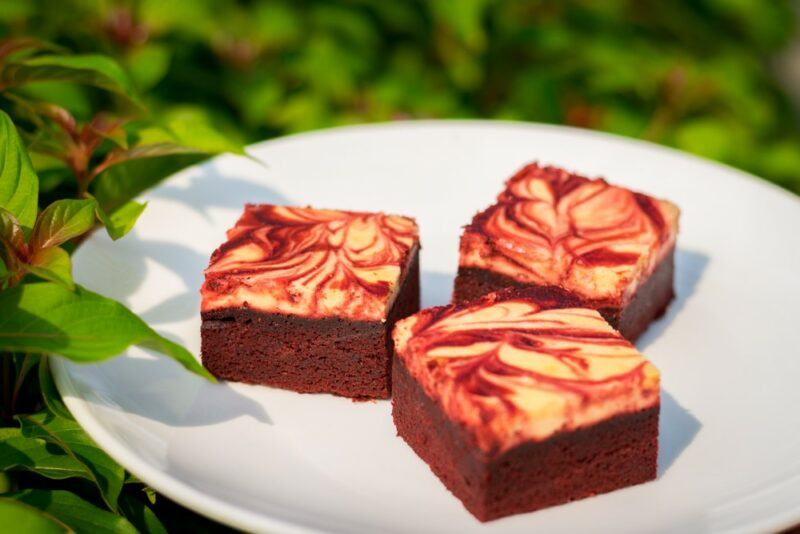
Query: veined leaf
x,y
61,221
19,186
52,398
89,69
68,436
39,456
26,518
185,138
81,325
80,515
52,264
10,230
191,128
121,221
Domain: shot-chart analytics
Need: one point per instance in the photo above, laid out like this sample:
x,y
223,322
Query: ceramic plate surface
x,y
269,460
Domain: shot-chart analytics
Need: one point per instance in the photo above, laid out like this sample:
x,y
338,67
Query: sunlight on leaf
x,y
89,69
191,128
122,220
26,518
37,455
61,221
75,512
19,186
81,325
52,264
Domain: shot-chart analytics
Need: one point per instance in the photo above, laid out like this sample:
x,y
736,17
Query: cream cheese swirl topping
x,y
510,370
557,228
310,262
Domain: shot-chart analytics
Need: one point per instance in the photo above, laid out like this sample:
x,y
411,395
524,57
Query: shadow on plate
x,y
211,189
163,391
689,268
204,191
677,428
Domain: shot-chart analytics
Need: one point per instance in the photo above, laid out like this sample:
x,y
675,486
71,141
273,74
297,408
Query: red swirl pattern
x,y
310,262
510,370
553,227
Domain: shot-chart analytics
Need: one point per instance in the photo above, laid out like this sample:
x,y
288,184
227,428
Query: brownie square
x,y
305,299
611,247
517,404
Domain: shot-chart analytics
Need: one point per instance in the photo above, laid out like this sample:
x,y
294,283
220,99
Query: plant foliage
x,y
694,74
62,177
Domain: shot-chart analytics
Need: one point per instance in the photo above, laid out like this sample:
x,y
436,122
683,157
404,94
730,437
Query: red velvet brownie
x,y
609,246
517,404
305,299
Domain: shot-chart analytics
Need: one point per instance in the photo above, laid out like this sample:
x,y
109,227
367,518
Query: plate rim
x,y
242,518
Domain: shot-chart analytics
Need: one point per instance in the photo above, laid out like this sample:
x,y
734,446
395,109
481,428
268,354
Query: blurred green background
x,y
698,75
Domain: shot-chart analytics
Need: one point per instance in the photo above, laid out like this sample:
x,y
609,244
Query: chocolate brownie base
x,y
648,303
613,454
310,355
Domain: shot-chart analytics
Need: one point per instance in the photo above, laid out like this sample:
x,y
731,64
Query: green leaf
x,y
10,230
154,150
707,137
68,436
34,454
12,246
88,69
75,512
23,363
61,221
140,515
69,96
148,64
14,45
193,129
19,186
122,183
52,398
52,264
26,518
81,325
122,220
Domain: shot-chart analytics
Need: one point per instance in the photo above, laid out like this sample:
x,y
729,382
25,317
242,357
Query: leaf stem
x,y
24,368
7,361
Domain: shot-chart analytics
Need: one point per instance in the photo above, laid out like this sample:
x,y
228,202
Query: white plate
x,y
270,460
